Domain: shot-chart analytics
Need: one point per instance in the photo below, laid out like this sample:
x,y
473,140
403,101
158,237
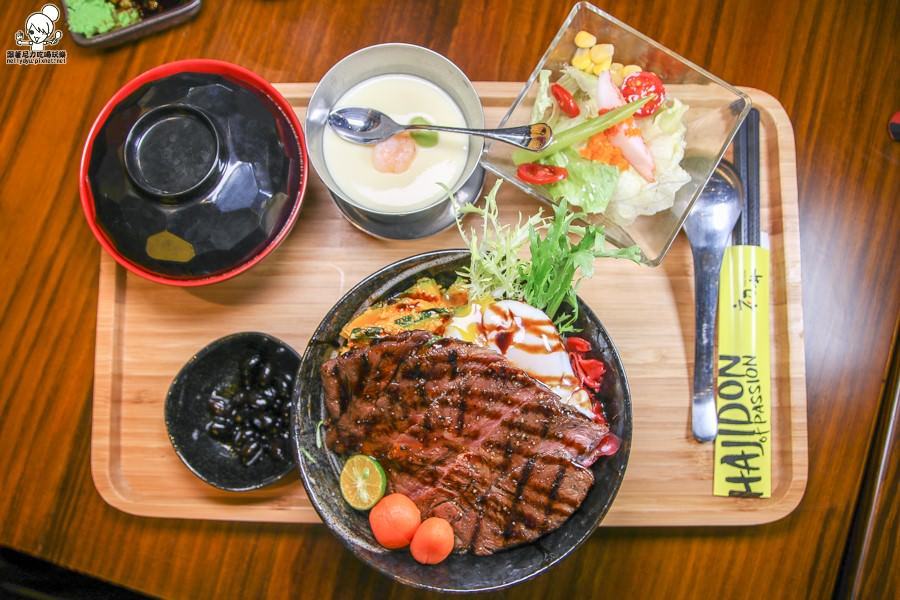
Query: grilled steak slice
x,y
465,434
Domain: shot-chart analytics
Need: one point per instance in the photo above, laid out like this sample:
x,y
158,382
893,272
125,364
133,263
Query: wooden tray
x,y
146,331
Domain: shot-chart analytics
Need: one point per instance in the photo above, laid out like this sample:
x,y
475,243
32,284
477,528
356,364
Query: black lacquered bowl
x,y
193,172
320,468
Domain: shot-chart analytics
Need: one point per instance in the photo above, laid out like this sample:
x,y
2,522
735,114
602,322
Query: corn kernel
x,y
582,59
583,39
630,70
602,52
601,66
615,72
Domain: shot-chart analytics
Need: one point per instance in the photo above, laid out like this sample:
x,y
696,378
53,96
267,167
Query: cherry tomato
x,y
609,445
433,541
565,100
394,521
541,174
641,84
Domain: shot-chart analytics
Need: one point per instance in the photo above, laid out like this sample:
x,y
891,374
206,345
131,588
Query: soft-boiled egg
x,y
528,338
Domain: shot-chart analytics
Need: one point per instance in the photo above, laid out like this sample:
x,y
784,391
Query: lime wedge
x,y
362,482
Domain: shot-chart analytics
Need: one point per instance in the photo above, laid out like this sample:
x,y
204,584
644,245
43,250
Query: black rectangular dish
x,y
172,13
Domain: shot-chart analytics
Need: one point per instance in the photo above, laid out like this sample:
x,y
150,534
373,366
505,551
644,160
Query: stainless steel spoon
x,y
708,228
369,126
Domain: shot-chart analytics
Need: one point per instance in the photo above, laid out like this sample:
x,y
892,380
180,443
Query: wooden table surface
x,y
831,63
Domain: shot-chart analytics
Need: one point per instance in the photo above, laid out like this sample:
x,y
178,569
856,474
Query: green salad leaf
x,y
561,259
542,100
589,184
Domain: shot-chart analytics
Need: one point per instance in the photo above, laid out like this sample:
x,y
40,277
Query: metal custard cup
x,y
405,59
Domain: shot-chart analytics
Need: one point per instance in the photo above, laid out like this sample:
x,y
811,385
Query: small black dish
x,y
320,468
187,412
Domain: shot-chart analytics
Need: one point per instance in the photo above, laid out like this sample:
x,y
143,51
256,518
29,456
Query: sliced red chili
x,y
539,174
565,99
577,344
641,84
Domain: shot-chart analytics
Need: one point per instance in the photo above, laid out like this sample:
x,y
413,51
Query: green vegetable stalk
x,y
581,133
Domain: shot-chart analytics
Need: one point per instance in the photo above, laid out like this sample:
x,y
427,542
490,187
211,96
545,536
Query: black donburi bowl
x,y
320,468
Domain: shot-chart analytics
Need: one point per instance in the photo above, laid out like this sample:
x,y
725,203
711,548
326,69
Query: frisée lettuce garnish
x,y
562,250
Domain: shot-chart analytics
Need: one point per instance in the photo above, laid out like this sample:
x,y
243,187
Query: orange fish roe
x,y
599,148
629,128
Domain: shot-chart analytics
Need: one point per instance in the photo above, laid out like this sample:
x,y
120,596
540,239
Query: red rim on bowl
x,y
216,67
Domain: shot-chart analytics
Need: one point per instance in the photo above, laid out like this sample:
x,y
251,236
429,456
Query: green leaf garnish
x,y
426,139
560,258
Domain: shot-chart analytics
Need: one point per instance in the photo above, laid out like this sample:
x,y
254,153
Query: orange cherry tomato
x,y
394,521
565,99
433,541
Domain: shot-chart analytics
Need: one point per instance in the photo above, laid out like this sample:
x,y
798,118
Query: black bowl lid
x,y
194,174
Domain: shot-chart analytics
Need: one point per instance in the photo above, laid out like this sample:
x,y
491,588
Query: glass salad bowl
x,y
634,210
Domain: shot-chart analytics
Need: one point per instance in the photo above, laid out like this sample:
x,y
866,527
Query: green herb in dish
x,y
92,17
361,333
425,315
558,264
426,139
495,268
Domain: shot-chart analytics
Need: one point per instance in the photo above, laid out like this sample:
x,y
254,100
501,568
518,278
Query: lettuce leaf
x,y
543,100
590,184
665,138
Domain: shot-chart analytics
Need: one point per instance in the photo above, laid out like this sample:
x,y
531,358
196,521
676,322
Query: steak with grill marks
x,y
465,434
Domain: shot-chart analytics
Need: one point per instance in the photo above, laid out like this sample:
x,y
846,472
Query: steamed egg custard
x,y
399,175
528,339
